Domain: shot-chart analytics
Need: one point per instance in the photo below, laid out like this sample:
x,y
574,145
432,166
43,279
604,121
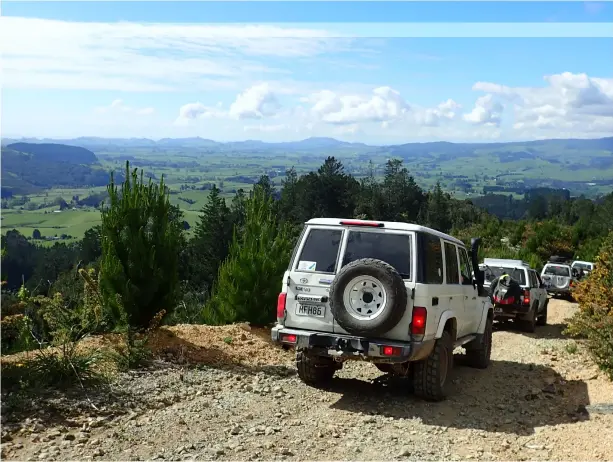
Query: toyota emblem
x,y
304,281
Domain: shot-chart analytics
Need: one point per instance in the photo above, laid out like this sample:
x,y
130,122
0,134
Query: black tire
x,y
478,353
542,319
529,325
314,370
431,375
390,281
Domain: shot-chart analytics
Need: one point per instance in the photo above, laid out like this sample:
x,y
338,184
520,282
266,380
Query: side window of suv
x,y
452,271
466,271
432,259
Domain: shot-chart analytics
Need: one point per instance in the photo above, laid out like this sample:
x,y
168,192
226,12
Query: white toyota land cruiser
x,y
399,295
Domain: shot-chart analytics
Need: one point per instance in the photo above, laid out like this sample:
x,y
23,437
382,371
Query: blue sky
x,y
288,70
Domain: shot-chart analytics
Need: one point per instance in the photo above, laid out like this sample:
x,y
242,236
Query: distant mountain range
x,y
316,143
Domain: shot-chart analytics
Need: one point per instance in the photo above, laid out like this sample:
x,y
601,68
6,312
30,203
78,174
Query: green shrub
x,y
594,320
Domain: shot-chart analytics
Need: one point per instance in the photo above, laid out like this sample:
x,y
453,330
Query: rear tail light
x,y
288,338
281,306
418,323
526,297
390,351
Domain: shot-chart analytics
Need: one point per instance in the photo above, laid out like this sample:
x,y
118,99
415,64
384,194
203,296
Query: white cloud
x,y
487,111
255,103
445,111
127,56
383,104
118,106
570,104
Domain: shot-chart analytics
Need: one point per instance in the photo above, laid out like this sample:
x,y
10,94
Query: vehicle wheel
x,y
542,319
431,376
314,370
478,354
529,325
368,297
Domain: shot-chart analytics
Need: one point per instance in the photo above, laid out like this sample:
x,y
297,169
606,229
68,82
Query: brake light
x,y
288,338
281,306
526,297
390,351
418,323
373,224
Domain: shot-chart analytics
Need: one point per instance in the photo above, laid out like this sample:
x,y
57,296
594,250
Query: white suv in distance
x,y
531,309
399,295
558,279
586,266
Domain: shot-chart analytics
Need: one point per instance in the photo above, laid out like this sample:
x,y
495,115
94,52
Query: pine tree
x,y
140,249
438,216
212,237
248,283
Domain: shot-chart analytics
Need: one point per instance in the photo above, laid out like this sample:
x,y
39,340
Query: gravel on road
x,y
227,394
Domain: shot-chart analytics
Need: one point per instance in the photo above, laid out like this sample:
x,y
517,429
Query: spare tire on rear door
x,y
368,297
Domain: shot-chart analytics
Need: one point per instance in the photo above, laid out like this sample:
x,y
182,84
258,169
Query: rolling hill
x,y
31,167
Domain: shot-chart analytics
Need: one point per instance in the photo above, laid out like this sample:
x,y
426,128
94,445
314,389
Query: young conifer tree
x,y
248,283
141,238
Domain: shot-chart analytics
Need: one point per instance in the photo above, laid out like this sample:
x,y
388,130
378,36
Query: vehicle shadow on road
x,y
549,331
509,397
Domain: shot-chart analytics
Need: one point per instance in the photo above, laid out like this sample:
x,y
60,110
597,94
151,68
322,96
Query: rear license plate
x,y
497,310
315,311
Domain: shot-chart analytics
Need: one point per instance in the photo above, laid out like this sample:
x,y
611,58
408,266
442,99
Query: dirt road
x,y
538,401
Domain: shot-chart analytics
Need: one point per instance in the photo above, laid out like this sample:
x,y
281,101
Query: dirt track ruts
x,y
538,401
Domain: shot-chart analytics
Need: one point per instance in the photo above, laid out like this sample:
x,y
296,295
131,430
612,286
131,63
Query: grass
x,y
51,223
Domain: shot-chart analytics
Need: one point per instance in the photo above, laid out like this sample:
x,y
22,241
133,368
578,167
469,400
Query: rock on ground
x,y
539,400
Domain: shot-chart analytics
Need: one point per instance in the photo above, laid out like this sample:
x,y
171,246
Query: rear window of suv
x,y
556,270
491,273
321,249
394,249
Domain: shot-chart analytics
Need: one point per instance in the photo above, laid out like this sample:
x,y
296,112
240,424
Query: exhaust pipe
x,y
479,275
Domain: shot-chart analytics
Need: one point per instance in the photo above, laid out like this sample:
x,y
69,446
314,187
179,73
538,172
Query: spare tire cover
x,y
368,297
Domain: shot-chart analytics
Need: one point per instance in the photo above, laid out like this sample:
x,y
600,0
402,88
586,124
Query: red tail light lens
x,y
281,301
418,323
390,351
288,338
526,297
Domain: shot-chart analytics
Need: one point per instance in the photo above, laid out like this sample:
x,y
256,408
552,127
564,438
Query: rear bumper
x,y
558,291
510,311
352,347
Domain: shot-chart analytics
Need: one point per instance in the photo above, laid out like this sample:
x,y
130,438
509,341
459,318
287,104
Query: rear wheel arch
x,y
449,325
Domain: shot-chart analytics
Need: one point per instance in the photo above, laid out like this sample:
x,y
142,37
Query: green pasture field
x,y
190,167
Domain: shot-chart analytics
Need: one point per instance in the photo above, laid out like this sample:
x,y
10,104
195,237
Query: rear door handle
x,y
434,301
